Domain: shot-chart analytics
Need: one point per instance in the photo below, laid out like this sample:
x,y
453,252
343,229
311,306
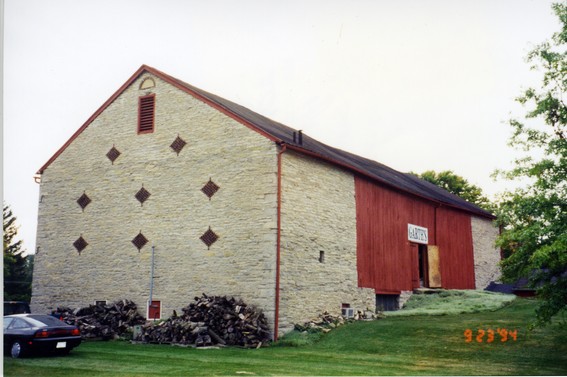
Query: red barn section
x,y
388,262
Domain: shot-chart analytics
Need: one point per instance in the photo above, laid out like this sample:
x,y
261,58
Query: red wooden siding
x,y
386,260
454,238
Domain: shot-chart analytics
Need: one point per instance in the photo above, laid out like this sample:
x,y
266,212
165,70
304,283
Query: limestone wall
x,y
318,216
486,254
177,213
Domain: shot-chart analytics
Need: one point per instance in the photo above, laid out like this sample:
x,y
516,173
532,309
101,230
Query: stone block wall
x,y
486,254
174,217
318,221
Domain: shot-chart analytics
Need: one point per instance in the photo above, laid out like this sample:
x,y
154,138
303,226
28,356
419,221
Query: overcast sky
x,y
414,84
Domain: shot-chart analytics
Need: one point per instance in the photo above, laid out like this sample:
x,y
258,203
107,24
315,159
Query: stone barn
x,y
168,191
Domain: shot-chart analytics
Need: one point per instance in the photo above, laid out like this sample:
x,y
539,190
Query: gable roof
x,y
288,136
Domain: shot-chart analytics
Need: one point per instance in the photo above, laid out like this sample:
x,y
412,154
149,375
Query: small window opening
x,y
321,256
80,244
100,302
347,311
146,110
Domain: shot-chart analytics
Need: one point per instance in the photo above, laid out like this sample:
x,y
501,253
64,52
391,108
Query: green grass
x,y
453,302
417,345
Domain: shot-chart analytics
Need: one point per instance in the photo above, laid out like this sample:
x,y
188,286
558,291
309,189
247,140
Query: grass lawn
x,y
414,345
453,302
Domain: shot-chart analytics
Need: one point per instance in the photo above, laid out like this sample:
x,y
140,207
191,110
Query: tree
x,y
17,266
534,217
459,186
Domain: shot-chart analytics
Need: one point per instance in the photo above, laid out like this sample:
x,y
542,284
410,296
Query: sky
x,y
414,84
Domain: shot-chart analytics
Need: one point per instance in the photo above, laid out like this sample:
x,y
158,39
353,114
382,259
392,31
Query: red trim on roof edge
x,y
165,77
92,118
171,80
176,83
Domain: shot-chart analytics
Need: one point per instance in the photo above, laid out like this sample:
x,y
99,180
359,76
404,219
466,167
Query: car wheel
x,y
17,350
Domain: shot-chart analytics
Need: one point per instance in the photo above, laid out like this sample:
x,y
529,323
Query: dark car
x,y
25,334
16,307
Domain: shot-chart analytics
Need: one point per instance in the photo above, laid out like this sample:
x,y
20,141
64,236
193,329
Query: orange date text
x,y
490,335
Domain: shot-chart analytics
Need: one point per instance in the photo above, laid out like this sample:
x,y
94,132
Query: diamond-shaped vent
x,y
178,144
139,241
142,195
83,201
210,188
80,244
113,154
209,237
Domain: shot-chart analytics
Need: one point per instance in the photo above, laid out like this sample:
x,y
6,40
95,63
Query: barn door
x,y
433,264
414,266
423,263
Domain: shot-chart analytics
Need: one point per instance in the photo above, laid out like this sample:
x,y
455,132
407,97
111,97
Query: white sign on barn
x,y
417,234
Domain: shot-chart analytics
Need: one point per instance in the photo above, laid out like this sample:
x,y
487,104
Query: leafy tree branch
x,y
534,217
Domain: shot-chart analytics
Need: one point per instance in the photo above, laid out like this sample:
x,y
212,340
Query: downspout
x,y
150,304
278,241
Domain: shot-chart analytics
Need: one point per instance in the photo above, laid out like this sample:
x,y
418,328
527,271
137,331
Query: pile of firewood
x,y
326,322
102,321
214,320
